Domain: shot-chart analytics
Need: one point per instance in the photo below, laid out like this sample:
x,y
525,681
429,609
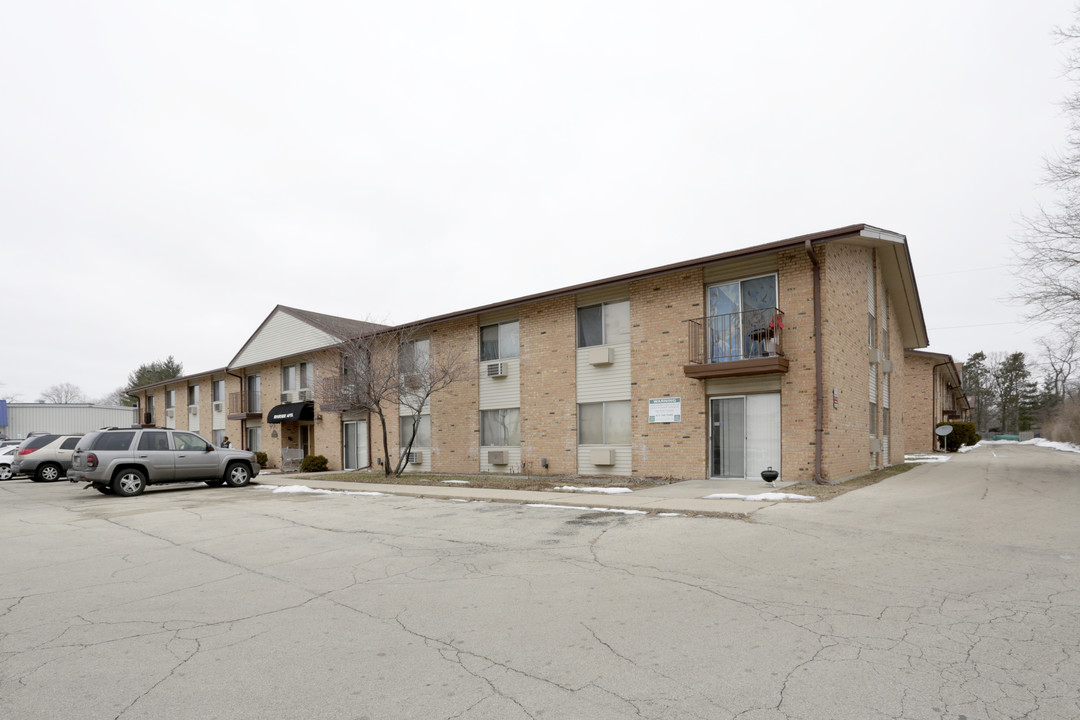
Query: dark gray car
x,y
125,461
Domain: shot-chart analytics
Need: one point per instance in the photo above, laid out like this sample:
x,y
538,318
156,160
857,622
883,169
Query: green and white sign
x,y
665,410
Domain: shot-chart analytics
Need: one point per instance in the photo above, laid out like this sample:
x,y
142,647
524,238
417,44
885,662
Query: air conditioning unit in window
x,y
602,456
305,395
875,445
219,407
170,412
498,457
413,381
193,409
288,396
416,457
496,370
875,356
601,356
886,366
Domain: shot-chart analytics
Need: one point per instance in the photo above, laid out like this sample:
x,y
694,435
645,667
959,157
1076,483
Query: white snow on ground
x,y
579,507
317,491
456,482
759,498
608,491
1039,442
925,458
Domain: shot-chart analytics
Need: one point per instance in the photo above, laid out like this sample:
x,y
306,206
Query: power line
x,y
966,270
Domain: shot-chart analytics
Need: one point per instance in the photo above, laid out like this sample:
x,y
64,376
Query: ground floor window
x,y
219,437
423,431
604,423
499,428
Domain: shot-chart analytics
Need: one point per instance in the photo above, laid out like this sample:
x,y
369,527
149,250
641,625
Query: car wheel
x,y
48,472
5,472
103,489
237,475
218,482
129,482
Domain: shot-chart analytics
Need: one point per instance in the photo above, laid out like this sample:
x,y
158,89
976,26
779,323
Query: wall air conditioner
x,y
170,412
413,381
875,356
288,396
602,456
219,407
496,370
498,457
193,409
601,356
886,366
416,457
306,395
875,445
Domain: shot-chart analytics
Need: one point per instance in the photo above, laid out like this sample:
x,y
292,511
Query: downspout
x,y
934,406
243,423
819,376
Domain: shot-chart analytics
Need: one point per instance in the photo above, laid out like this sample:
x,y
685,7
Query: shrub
x,y
963,433
260,457
313,463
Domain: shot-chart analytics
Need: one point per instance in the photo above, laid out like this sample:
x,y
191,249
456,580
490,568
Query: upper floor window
x,y
604,324
288,378
499,341
170,398
413,357
254,394
193,395
307,376
217,390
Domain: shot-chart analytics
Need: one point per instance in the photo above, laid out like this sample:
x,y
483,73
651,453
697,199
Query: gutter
x,y
819,377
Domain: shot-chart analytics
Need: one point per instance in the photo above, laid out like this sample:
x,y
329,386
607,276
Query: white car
x,y
7,456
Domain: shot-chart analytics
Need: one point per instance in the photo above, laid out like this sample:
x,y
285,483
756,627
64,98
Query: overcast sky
x,y
170,171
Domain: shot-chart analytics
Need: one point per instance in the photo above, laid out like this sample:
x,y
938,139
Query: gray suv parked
x,y
125,461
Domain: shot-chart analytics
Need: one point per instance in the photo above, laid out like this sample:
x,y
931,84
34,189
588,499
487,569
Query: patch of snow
x,y
1038,442
608,491
579,507
456,482
670,515
316,491
759,498
925,458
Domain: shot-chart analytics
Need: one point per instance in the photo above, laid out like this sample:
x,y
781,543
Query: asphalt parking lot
x,y
950,591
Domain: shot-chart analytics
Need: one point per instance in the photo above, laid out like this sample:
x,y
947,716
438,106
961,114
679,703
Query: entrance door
x,y
355,450
745,435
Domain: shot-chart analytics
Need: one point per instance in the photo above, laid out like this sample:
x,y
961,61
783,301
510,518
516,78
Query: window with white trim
x,y
604,324
604,423
500,428
423,431
499,341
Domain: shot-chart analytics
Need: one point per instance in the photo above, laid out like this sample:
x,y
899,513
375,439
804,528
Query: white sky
x,y
170,171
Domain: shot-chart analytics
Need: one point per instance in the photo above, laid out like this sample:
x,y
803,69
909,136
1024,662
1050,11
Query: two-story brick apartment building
x,y
935,394
786,355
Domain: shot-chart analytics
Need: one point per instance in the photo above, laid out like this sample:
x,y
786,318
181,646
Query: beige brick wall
x,y
919,403
795,296
659,347
455,415
548,331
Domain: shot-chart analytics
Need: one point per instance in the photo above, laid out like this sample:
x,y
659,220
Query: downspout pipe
x,y
819,372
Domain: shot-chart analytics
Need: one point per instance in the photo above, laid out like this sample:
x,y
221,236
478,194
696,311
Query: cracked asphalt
x,y
950,591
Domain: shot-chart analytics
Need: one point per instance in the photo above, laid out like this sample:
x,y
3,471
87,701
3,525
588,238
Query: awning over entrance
x,y
291,412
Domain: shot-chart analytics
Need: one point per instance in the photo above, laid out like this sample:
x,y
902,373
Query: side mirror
x,y
209,448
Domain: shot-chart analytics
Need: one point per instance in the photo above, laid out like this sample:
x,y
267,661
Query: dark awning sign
x,y
291,412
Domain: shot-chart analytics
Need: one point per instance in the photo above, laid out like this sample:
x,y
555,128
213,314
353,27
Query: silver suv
x,y
45,458
125,461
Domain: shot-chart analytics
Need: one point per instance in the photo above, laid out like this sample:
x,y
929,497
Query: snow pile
x,y
759,498
608,491
456,482
317,491
925,458
579,507
1038,442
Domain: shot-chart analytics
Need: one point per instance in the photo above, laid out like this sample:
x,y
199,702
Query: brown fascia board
x,y
901,277
182,378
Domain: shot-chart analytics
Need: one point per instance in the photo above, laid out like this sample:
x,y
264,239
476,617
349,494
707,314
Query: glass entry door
x,y
355,450
728,442
744,435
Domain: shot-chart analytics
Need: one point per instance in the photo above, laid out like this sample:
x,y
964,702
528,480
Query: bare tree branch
x,y
62,394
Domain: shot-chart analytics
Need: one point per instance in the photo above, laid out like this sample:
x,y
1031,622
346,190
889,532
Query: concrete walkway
x,y
687,497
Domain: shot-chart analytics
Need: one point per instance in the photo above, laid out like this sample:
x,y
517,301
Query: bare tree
x,y
1048,248
1062,355
10,397
118,396
62,394
387,369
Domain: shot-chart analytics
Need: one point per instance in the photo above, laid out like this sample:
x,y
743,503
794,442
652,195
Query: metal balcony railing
x,y
746,335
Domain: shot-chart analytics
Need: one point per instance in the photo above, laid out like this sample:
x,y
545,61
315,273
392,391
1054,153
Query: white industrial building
x,y
18,420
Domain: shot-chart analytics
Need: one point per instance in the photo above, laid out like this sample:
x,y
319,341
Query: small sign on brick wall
x,y
665,410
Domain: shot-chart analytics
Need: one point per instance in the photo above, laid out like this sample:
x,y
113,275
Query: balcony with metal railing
x,y
242,408
738,344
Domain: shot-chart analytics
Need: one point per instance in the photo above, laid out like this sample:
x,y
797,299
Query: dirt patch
x,y
494,482
828,492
